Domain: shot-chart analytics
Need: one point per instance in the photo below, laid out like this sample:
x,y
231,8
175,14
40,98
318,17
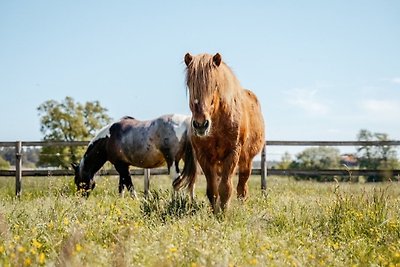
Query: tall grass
x,y
297,224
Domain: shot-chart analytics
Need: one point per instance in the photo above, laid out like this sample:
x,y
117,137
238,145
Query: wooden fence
x,y
18,173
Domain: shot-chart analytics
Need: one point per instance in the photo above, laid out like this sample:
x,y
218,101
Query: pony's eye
x,y
212,102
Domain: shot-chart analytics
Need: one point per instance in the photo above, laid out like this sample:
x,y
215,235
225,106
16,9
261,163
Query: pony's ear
x,y
188,59
217,59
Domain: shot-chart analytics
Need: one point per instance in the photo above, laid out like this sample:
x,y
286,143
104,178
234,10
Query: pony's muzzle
x,y
201,129
84,189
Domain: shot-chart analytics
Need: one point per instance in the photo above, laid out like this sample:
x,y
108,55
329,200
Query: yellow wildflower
x,y
36,243
253,262
27,262
42,258
78,247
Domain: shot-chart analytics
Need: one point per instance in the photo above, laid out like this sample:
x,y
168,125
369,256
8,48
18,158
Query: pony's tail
x,y
188,176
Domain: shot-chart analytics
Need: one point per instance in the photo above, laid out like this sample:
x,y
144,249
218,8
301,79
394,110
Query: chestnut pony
x,y
131,142
227,128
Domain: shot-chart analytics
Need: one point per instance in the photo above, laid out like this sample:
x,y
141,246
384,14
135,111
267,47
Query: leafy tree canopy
x,y
71,121
68,121
317,158
380,157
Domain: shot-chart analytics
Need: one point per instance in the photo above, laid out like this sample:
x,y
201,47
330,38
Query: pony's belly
x,y
147,160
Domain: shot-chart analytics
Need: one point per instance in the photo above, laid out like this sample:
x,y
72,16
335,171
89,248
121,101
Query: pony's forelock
x,y
203,75
200,72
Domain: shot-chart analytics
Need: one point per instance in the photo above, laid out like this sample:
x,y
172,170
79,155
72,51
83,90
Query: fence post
x,y
264,169
18,168
146,182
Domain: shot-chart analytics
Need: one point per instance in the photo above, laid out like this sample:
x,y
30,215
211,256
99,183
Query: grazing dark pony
x,y
130,142
227,128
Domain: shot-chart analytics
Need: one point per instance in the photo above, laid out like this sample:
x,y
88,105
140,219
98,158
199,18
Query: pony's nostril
x,y
202,127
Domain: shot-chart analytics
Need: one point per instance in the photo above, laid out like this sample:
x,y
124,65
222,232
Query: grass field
x,y
297,224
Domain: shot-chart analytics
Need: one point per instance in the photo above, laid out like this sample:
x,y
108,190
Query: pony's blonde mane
x,y
203,77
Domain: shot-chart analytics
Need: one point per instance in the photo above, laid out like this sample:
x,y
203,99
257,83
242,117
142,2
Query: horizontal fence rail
x,y
18,173
268,143
164,171
333,143
65,172
45,143
333,172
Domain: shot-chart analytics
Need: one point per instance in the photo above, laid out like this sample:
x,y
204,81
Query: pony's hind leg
x,y
177,171
244,174
191,191
173,172
125,179
146,182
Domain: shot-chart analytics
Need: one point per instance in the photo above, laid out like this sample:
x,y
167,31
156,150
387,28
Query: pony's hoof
x,y
134,195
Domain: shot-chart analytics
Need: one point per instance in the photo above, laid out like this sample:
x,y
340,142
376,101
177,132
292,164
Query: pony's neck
x,y
83,169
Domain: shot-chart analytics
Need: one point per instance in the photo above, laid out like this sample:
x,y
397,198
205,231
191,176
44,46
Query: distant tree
x,y
30,156
317,158
380,157
285,162
68,121
4,164
8,154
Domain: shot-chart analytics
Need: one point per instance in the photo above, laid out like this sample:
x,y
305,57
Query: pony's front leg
x,y
131,188
225,186
121,186
125,180
212,193
212,186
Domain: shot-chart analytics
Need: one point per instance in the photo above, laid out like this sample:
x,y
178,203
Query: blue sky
x,y
322,70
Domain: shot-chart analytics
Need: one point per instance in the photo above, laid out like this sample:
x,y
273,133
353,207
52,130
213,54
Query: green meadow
x,y
294,224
